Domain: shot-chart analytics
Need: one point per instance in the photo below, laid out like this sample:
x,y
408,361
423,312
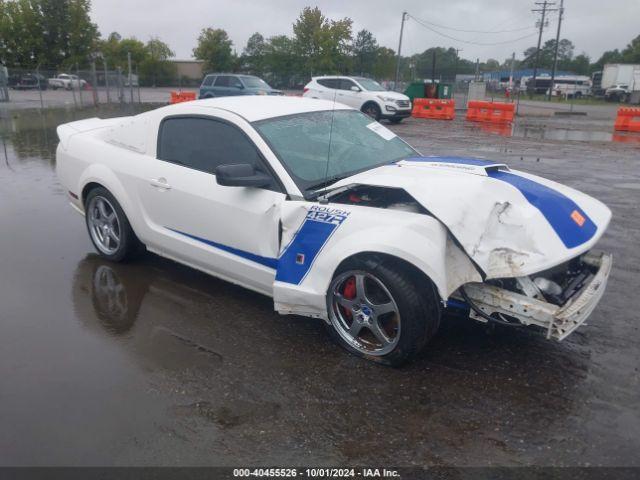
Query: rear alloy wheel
x,y
372,110
381,313
109,229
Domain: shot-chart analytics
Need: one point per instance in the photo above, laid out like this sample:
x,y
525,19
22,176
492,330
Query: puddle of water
x,y
537,132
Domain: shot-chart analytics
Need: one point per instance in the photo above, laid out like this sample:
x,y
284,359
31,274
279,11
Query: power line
x,y
467,41
472,31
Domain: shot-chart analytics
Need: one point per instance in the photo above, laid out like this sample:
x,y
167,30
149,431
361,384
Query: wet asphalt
x,y
153,363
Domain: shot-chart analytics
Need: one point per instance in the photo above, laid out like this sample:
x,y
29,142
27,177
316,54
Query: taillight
x,y
305,90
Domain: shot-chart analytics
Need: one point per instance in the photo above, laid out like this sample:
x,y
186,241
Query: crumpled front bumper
x,y
559,321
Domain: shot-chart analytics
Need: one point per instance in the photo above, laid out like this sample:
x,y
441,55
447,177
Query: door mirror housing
x,y
355,89
241,175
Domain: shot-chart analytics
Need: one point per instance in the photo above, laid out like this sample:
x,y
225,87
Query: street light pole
x,y
395,83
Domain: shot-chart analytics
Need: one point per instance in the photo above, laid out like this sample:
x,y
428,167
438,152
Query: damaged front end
x,y
557,300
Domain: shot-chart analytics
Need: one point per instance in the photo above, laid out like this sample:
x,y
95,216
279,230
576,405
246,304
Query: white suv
x,y
362,93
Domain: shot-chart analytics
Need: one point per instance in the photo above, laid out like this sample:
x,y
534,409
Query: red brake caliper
x,y
349,292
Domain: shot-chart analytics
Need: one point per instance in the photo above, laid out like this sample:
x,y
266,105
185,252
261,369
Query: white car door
x,y
232,232
347,96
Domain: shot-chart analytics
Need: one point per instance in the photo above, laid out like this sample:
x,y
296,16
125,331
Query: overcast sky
x,y
592,25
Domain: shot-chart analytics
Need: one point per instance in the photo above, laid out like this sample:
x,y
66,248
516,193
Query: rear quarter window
x,y
329,82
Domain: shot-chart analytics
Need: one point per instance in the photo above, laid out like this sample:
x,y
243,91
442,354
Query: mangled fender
x,y
317,238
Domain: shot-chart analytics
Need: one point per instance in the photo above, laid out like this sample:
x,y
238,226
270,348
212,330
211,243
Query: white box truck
x,y
621,81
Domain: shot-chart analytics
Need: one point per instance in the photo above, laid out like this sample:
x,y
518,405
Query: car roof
x,y
230,74
260,107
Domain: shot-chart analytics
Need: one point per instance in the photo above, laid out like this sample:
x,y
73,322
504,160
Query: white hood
x,y
391,94
510,223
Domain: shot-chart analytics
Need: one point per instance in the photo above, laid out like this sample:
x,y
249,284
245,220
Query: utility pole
x,y
433,66
130,76
555,49
543,11
395,83
513,61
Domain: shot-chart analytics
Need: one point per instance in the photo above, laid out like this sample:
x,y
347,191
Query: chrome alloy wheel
x,y
104,225
364,313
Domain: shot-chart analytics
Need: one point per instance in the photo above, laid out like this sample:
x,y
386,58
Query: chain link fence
x,y
80,88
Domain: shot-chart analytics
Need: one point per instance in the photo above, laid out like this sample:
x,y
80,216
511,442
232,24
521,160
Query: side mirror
x,y
355,89
241,175
240,86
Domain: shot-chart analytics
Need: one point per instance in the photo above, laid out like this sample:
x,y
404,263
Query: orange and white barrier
x,y
628,120
494,112
433,108
178,97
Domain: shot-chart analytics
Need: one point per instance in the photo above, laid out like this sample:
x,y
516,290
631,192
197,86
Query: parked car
x,y
31,81
227,85
335,217
617,93
363,94
67,81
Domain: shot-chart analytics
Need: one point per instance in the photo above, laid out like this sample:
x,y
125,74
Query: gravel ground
x,y
152,363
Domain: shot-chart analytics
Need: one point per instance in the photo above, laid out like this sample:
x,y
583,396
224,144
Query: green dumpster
x,y
426,89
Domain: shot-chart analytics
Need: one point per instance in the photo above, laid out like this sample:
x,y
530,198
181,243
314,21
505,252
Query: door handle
x,y
160,183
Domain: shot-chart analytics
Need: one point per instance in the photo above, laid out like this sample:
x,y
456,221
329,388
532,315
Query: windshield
x,y
371,85
358,143
255,82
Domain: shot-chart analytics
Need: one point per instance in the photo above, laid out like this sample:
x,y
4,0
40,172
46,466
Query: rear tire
x,y
108,227
381,311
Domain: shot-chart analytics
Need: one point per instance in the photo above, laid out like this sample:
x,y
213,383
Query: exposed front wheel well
x,y
375,258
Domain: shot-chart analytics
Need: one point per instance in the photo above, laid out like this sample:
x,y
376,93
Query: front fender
x,y
417,239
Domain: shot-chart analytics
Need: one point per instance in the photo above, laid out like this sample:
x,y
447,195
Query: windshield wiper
x,y
325,183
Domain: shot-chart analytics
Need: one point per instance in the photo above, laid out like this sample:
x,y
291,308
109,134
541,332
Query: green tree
x,y
49,33
580,64
156,69
322,44
631,54
365,50
253,56
610,56
385,63
116,48
281,61
214,48
545,59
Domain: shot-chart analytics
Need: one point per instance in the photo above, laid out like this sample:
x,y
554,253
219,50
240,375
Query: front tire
x,y
109,228
372,109
382,312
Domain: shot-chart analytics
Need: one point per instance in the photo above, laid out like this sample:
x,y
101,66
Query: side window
x,y
346,84
328,82
203,144
222,81
235,82
208,81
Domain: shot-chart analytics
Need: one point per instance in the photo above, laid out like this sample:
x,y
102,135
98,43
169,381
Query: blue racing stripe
x,y
266,261
568,220
299,256
558,209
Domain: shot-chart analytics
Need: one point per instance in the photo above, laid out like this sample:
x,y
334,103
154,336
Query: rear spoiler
x,y
67,130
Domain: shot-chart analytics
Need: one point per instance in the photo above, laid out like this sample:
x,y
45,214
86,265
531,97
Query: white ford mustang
x,y
335,217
